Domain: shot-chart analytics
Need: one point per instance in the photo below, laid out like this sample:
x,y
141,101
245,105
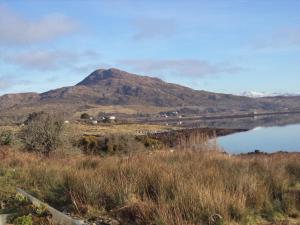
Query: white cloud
x,y
15,29
48,60
179,67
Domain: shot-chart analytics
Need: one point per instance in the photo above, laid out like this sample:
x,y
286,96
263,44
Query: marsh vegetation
x,y
156,186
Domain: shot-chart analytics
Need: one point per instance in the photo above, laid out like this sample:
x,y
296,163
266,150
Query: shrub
x,y
90,144
23,220
41,210
149,142
110,145
42,134
6,137
21,198
32,116
121,144
84,116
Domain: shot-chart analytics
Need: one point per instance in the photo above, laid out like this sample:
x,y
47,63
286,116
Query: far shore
x,y
232,116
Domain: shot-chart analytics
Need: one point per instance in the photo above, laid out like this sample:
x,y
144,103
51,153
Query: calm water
x,y
267,139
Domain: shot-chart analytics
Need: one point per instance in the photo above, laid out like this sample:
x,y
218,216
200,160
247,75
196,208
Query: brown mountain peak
x,y
103,74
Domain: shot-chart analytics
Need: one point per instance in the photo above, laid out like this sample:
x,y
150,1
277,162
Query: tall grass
x,y
180,188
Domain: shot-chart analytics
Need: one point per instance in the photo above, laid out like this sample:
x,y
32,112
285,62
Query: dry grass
x,y
74,132
12,128
181,187
129,109
104,129
107,129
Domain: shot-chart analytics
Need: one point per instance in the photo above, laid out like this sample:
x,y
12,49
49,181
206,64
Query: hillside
x,y
116,87
10,100
112,86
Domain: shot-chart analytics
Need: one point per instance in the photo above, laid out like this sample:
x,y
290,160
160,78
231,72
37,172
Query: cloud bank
x,y
179,67
15,29
48,60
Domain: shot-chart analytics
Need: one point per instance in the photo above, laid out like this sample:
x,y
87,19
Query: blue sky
x,y
226,46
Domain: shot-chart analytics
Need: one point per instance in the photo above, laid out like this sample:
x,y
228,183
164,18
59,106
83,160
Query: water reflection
x,y
267,139
266,133
247,122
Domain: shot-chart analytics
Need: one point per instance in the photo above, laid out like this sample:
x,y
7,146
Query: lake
x,y
267,139
265,133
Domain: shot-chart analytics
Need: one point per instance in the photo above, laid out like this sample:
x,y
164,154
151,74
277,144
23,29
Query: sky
x,y
227,46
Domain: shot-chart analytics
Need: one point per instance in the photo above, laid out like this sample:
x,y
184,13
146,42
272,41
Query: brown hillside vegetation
x,y
115,87
181,187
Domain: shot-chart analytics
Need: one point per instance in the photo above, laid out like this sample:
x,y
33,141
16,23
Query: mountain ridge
x,y
102,74
116,87
257,94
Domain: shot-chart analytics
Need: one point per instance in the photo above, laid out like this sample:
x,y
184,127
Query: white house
x,y
94,122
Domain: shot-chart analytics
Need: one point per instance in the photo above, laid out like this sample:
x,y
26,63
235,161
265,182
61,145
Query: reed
x,y
162,187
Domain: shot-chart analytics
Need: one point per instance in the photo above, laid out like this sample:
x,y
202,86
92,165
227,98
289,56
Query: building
x,y
94,122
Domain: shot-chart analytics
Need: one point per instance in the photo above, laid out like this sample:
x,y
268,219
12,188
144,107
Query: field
x,y
105,129
162,187
142,181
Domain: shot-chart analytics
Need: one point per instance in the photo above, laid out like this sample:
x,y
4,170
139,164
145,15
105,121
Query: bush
x,y
121,144
90,144
43,133
6,137
84,116
110,145
23,220
149,142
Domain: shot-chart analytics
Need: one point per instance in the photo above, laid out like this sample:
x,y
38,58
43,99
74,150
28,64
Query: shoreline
x,y
248,115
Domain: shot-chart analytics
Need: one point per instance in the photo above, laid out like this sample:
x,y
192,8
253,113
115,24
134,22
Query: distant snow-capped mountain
x,y
253,94
256,94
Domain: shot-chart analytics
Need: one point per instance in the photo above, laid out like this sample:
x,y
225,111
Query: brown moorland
x,y
162,187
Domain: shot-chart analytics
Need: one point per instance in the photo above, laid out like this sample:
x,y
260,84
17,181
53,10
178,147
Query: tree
x,y
42,133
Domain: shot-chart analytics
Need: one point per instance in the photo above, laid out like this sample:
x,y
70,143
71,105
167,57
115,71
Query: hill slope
x,y
116,87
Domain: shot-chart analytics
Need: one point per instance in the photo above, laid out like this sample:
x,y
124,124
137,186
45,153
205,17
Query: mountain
x,y
253,94
115,87
10,100
256,94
